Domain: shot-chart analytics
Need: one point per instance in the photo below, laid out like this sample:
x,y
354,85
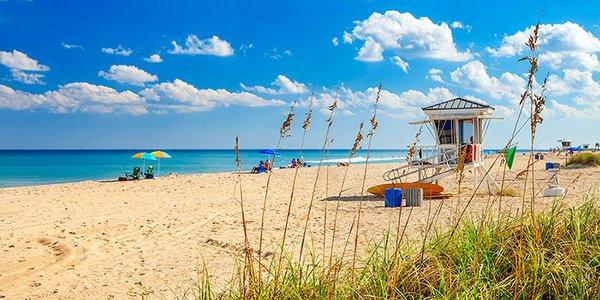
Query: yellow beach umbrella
x,y
160,155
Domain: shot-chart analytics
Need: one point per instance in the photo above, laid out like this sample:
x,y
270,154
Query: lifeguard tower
x,y
456,125
565,144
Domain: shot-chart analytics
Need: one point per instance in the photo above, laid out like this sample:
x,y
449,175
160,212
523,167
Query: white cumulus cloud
x,y
210,46
335,41
120,50
564,45
128,74
371,51
75,97
27,78
181,96
347,37
154,58
567,36
282,85
397,60
406,35
435,75
17,60
474,76
22,66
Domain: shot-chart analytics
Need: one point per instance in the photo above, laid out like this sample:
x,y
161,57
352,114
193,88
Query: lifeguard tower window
x,y
444,130
466,131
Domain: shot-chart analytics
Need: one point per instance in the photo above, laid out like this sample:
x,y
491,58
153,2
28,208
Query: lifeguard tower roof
x,y
457,103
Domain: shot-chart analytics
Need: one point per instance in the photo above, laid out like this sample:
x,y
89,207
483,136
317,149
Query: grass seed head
x,y
284,131
308,116
357,140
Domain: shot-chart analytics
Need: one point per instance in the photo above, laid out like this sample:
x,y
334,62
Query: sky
x,y
195,74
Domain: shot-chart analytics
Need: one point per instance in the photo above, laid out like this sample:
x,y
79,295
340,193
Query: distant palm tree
x,y
597,146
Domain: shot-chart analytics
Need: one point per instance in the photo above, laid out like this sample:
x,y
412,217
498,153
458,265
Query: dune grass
x,y
585,158
507,192
554,255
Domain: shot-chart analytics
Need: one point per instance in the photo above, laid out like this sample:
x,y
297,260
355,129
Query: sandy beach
x,y
96,240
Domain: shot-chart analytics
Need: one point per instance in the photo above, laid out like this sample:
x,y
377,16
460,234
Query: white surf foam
x,y
354,160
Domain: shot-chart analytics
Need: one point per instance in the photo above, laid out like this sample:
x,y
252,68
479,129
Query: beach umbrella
x,y
160,155
269,152
144,156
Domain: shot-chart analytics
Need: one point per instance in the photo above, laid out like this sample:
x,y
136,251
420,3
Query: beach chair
x,y
149,174
135,174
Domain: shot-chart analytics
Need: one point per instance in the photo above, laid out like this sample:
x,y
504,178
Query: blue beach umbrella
x,y
574,149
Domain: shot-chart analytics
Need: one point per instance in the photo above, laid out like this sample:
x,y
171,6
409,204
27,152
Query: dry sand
x,y
126,239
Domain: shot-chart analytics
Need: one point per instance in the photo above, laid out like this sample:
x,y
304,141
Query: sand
x,y
152,237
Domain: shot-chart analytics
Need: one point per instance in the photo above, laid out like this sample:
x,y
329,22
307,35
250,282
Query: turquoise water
x,y
33,167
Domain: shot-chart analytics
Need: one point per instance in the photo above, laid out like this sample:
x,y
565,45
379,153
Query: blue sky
x,y
188,74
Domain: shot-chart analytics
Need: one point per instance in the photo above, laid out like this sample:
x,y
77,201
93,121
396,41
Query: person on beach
x,y
267,165
260,168
294,163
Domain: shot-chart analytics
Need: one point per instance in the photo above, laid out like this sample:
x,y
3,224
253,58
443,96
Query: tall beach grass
x,y
559,258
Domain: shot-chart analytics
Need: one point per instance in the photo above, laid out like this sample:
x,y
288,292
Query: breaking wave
x,y
357,159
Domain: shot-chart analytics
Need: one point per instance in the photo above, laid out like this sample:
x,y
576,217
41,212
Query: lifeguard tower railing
x,y
440,163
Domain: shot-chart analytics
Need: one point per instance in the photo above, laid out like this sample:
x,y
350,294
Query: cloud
x,y
177,96
435,75
567,36
181,96
18,100
566,111
474,76
210,46
404,105
275,54
571,60
335,41
17,60
74,97
574,82
18,63
406,35
565,45
128,75
284,86
459,25
154,58
27,78
71,46
371,51
117,51
502,111
400,63
580,88
347,37
244,48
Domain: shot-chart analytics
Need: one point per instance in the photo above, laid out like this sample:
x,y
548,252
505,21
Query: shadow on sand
x,y
355,198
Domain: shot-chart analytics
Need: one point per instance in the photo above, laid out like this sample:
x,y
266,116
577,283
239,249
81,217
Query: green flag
x,y
510,156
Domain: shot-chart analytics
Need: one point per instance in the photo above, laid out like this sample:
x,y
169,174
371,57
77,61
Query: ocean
x,y
34,167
